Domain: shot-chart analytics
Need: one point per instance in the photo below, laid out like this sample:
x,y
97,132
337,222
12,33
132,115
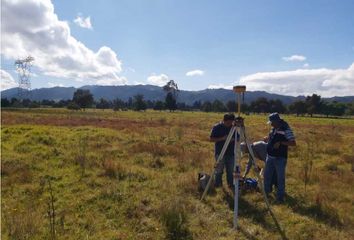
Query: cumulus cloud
x,y
323,81
294,58
7,81
195,72
221,85
57,53
83,22
306,65
159,80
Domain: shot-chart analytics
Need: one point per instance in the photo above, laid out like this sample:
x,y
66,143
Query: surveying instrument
x,y
239,131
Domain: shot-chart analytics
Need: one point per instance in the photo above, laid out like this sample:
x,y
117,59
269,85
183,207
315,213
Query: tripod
x,y
239,130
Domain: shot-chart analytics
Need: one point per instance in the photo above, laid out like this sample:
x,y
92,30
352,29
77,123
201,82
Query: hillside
x,y
133,175
153,93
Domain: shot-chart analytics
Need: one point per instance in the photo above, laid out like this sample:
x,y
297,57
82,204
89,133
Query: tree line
x,y
83,99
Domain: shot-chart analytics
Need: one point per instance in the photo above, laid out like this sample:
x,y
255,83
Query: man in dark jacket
x,y
280,137
218,135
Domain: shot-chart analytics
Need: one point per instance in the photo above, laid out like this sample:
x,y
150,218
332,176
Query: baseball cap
x,y
273,117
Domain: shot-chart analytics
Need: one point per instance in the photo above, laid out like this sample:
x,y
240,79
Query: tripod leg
x,y
220,157
237,153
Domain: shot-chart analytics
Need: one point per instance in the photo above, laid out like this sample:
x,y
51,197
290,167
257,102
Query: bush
x,y
73,106
174,219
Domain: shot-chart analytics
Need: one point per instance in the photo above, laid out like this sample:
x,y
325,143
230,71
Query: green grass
x,y
133,175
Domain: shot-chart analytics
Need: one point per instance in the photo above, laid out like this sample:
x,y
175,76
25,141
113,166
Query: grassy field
x,y
133,175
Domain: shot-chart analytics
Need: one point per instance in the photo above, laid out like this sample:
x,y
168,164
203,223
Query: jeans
x,y
275,165
228,163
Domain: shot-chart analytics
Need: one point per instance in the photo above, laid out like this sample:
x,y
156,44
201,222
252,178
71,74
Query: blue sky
x,y
287,47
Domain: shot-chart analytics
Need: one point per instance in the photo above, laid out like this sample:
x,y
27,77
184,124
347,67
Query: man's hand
x,y
266,138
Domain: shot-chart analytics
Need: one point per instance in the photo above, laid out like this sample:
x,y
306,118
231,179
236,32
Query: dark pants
x,y
228,163
275,166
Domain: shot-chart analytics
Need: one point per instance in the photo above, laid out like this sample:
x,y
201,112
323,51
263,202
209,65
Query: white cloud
x,y
50,84
306,65
323,81
57,53
221,85
83,22
138,83
295,58
110,81
159,80
195,72
7,81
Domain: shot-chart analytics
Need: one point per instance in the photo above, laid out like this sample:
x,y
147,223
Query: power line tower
x,y
23,67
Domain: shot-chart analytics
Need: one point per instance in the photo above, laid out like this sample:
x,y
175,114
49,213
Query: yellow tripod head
x,y
239,90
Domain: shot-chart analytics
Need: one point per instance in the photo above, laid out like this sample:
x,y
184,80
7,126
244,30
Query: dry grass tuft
x,y
114,170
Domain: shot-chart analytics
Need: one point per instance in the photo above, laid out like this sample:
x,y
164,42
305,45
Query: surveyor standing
x,y
280,137
218,135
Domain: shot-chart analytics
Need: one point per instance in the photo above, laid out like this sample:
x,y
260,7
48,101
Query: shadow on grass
x,y
317,212
249,211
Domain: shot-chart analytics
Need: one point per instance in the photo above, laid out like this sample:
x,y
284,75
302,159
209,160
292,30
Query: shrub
x,y
174,219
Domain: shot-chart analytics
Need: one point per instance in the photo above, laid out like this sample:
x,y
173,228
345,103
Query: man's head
x,y
228,119
274,119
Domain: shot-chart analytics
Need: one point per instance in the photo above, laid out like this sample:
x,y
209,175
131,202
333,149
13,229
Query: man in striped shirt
x,y
280,137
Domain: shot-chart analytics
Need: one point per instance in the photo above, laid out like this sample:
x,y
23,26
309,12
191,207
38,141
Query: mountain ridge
x,y
154,93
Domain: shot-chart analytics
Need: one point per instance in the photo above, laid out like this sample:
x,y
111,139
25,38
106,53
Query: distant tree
x,y
46,102
171,86
139,103
61,103
103,104
338,109
83,98
197,105
26,102
15,102
245,108
277,106
170,102
73,106
231,106
313,104
260,105
118,104
207,106
183,106
159,105
171,90
218,106
149,104
34,104
5,102
298,107
350,109
130,103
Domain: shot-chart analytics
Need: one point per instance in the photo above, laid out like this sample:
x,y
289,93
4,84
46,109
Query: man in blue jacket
x,y
218,135
280,137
